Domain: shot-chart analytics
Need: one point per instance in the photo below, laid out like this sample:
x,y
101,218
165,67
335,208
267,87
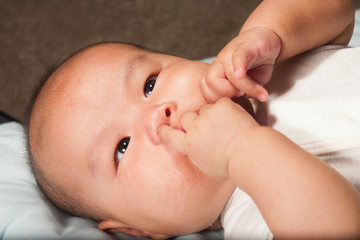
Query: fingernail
x,y
240,94
262,98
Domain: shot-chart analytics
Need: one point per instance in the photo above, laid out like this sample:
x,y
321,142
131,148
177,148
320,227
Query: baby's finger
x,y
240,62
173,137
187,119
216,80
251,88
210,95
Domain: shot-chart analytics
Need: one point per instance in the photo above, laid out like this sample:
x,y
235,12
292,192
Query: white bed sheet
x,y
355,40
24,211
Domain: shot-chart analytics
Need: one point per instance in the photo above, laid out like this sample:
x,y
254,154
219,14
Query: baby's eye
x,y
120,149
149,85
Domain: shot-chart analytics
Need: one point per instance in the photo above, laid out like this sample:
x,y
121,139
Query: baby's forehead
x,y
97,54
102,55
73,91
99,69
88,78
112,49
96,59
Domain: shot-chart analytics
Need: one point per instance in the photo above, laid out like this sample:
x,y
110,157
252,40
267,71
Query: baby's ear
x,y
113,226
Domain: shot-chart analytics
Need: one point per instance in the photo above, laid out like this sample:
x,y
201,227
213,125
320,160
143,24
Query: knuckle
x,y
209,72
224,101
254,91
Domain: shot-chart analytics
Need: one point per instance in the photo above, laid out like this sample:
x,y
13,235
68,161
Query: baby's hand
x,y
209,137
246,62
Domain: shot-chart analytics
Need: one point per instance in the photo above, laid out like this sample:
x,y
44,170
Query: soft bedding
x,y
26,214
355,40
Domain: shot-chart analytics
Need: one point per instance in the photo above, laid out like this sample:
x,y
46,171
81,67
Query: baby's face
x,y
102,139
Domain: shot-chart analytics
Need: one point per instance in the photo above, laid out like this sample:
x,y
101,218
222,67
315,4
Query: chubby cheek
x,y
182,84
165,190
166,179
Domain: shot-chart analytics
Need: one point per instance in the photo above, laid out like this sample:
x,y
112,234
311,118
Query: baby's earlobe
x,y
105,225
113,226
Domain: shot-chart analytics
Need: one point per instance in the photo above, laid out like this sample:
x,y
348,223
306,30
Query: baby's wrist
x,y
243,150
235,148
274,41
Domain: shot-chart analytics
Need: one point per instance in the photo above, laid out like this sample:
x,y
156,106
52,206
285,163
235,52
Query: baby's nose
x,y
168,112
160,115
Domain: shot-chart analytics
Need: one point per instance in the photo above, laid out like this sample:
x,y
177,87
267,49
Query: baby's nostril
x,y
167,112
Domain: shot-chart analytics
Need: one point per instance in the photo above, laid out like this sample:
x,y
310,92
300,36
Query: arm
x,y
298,195
306,24
275,31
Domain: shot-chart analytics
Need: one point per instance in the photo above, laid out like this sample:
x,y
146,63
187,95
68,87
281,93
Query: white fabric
x,y
24,211
241,219
355,40
319,108
314,100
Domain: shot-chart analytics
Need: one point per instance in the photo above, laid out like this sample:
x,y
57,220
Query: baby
x,y
106,132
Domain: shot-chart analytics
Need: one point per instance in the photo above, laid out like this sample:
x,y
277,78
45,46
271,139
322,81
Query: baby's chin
x,y
246,104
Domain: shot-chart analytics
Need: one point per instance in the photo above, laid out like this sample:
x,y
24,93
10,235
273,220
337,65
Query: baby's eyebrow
x,y
95,151
130,66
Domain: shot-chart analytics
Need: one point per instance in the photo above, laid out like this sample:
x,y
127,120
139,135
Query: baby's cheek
x,y
172,176
170,170
190,174
180,188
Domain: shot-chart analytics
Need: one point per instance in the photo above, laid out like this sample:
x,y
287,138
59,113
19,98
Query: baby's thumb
x,y
173,137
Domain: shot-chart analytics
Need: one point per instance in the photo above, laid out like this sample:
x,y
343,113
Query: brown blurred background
x,y
36,35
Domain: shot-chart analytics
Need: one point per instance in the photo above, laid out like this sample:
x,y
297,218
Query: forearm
x,y
303,25
298,195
